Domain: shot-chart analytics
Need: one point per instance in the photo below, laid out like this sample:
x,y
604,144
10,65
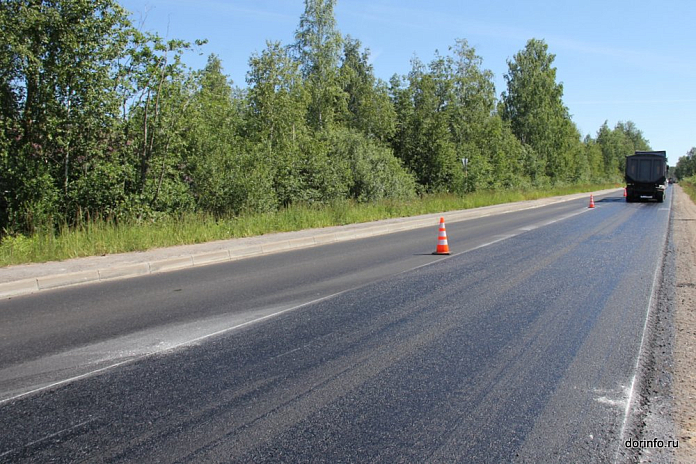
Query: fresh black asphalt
x,y
523,350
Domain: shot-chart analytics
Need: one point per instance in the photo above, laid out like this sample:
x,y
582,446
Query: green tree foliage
x,y
368,106
534,107
58,102
446,114
318,48
100,119
479,134
374,172
224,173
595,160
614,150
278,124
422,140
156,123
615,144
686,166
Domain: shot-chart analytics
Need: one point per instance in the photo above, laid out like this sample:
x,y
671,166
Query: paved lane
x,y
57,335
521,350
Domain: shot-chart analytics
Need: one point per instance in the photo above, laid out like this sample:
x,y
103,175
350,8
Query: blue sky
x,y
618,60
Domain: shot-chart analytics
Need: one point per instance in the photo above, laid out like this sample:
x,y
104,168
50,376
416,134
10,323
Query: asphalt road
x,y
521,346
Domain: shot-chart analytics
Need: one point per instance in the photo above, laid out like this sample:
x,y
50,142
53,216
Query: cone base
x,y
441,253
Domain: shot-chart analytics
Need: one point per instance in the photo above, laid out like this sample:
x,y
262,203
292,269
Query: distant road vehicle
x,y
646,175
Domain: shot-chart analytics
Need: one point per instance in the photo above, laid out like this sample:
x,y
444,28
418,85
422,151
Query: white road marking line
x,y
48,437
262,318
631,391
492,242
167,348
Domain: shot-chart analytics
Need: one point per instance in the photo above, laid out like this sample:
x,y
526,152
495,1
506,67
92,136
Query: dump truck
x,y
646,175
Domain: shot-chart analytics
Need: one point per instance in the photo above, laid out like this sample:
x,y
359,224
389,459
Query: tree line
x,y
100,119
686,166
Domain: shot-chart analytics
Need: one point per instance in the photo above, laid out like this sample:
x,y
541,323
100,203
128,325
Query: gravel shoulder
x,y
685,325
662,428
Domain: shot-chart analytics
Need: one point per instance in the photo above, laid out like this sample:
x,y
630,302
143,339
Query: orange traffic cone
x,y
442,246
625,192
591,201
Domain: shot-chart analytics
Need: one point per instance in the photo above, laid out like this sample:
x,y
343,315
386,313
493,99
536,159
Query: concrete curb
x,y
20,287
273,243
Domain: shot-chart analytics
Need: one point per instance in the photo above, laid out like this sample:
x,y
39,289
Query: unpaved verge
x,y
685,325
663,424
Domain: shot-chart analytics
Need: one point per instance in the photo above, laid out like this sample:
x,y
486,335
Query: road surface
x,y
520,346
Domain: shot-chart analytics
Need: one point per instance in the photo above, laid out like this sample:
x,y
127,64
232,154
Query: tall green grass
x,y
689,186
100,237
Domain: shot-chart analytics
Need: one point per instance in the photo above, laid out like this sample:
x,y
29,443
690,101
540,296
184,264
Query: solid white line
x,y
268,316
63,382
169,348
632,390
522,229
492,242
262,318
631,394
48,437
552,221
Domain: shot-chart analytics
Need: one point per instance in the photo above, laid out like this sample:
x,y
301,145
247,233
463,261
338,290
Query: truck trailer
x,y
646,175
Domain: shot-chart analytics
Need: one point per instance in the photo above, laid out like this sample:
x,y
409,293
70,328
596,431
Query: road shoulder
x,y
685,325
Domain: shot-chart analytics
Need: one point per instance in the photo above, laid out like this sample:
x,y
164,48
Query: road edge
x,y
650,427
272,243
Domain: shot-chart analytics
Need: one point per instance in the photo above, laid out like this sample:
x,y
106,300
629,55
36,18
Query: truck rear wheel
x,y
660,197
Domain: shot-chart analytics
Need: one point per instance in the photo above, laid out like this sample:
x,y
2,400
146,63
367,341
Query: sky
x,y
618,60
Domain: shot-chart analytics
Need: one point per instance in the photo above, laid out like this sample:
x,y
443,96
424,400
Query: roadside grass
x,y
98,236
689,186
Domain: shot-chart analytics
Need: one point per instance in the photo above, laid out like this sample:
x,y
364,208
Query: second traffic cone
x,y
625,192
591,201
442,246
